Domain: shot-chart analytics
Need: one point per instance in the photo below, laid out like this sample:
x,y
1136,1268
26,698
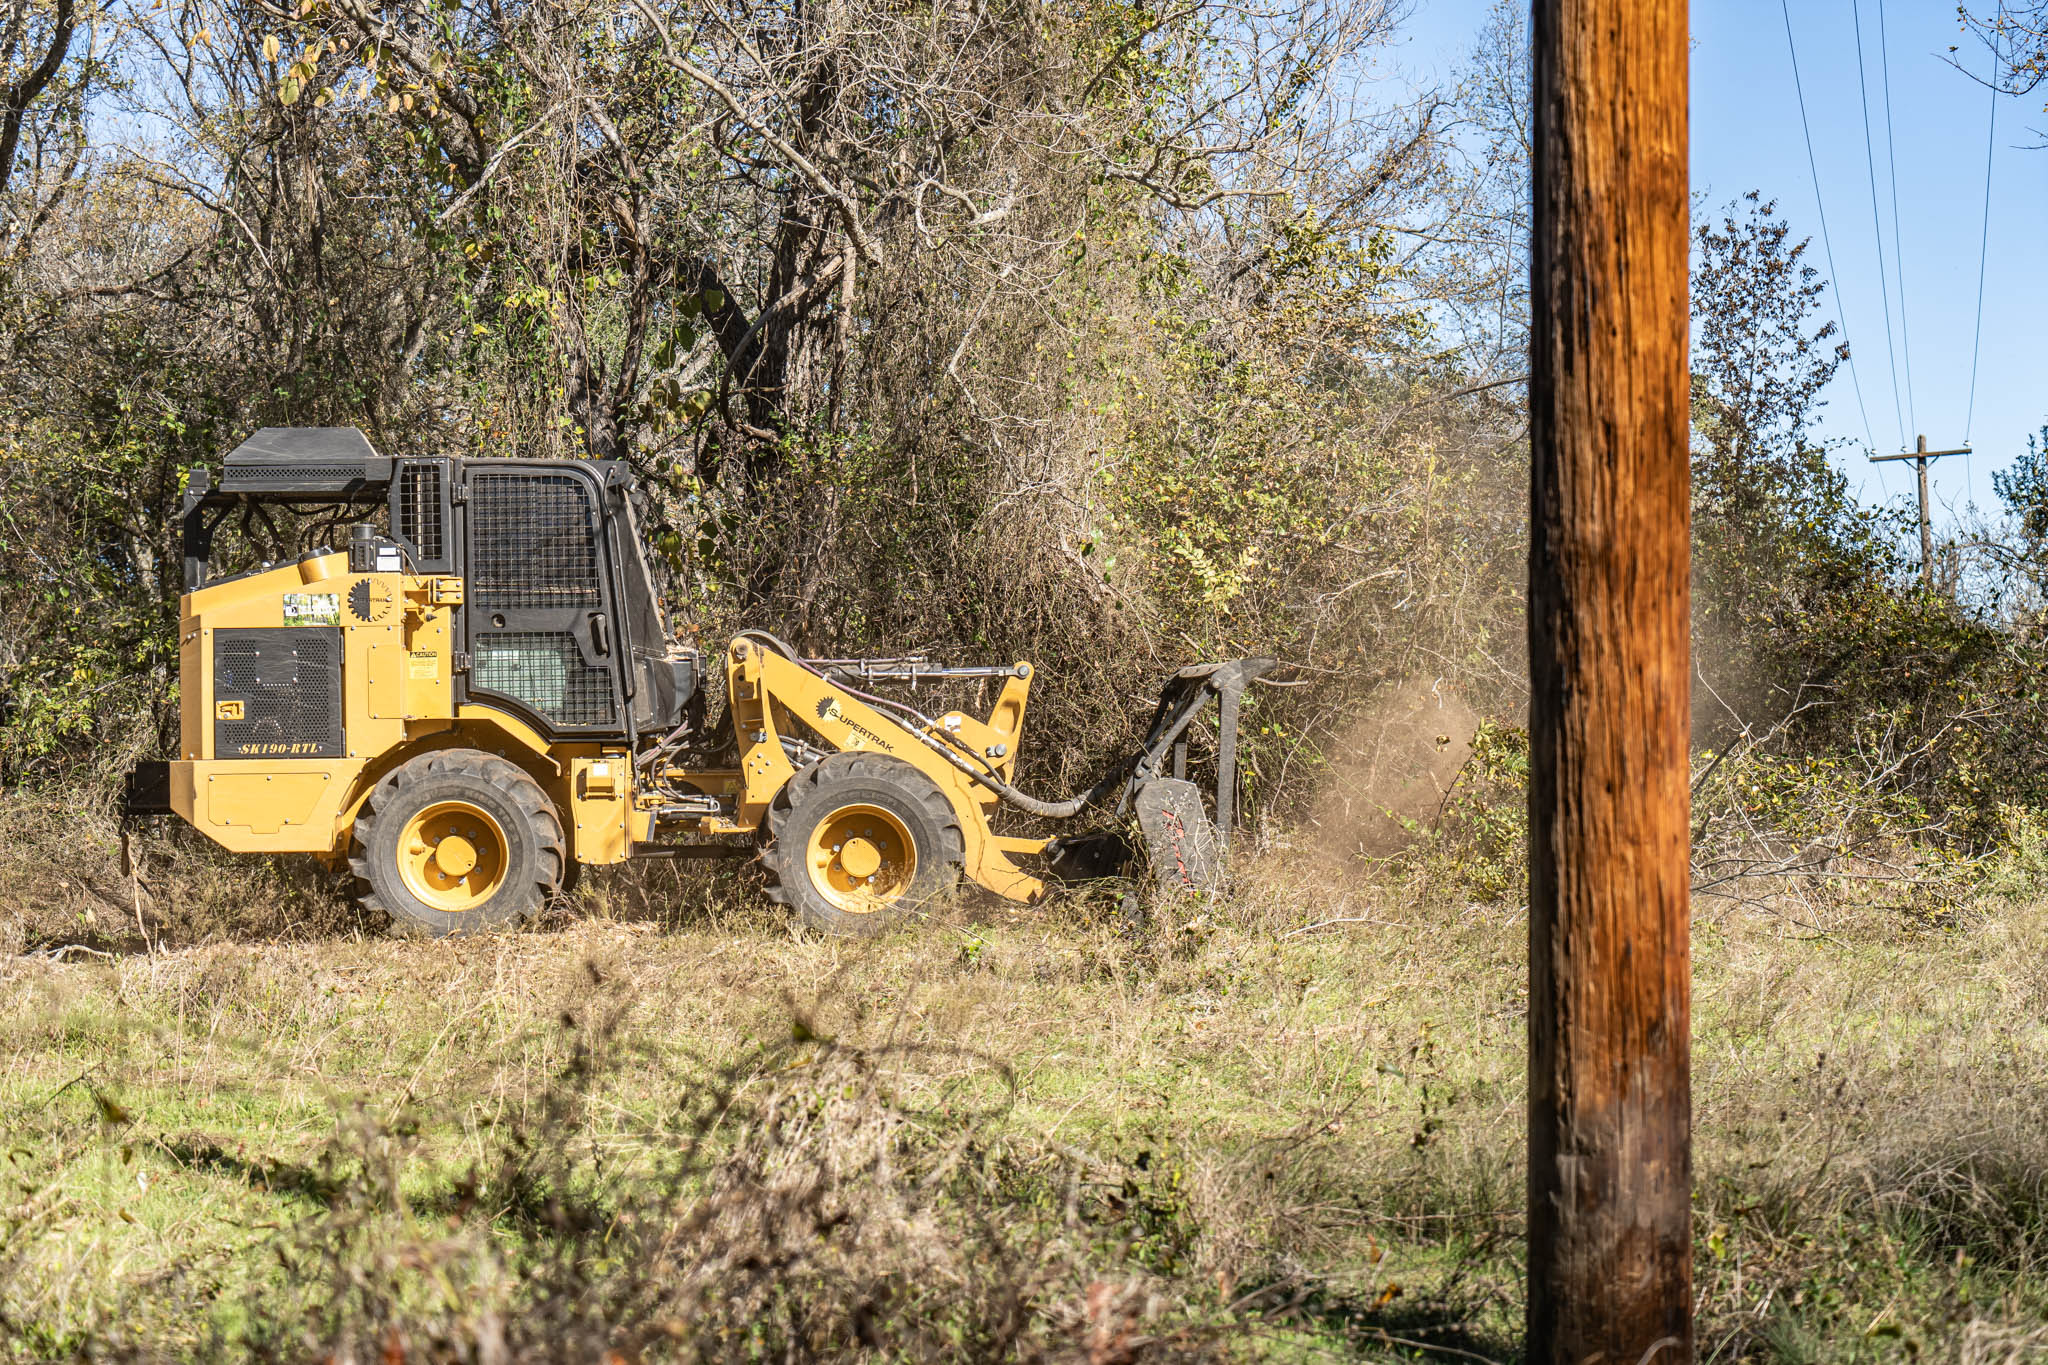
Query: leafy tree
x,y
1813,635
1775,531
2019,549
40,102
1763,491
2023,488
873,296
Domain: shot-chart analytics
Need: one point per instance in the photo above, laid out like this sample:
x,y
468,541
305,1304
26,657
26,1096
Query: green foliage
x,y
2023,487
1239,464
1480,841
1776,536
84,570
872,362
1814,639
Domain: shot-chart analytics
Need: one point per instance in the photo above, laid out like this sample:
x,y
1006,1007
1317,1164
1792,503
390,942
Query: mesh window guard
x,y
545,670
419,511
533,542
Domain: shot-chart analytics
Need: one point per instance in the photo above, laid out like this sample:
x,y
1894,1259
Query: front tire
x,y
859,842
457,842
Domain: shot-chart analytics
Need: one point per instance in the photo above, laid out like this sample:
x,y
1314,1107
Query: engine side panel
x,y
299,686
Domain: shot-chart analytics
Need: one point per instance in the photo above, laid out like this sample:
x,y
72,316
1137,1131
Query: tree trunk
x,y
1609,963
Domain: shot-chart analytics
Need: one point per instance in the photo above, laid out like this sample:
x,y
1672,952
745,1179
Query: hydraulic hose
x,y
1051,810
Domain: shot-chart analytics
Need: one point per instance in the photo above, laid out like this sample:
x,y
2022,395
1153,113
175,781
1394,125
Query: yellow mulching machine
x,y
477,693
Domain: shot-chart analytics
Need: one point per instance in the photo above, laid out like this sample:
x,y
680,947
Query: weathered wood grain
x,y
1609,991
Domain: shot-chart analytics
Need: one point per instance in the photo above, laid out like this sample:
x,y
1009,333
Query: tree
x,y
35,39
2016,32
1760,363
43,94
1484,272
2019,550
1810,631
1775,527
2024,490
886,303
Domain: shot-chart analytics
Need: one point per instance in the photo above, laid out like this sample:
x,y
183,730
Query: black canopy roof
x,y
307,461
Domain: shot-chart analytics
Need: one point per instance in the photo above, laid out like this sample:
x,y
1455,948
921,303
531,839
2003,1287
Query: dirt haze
x,y
1392,770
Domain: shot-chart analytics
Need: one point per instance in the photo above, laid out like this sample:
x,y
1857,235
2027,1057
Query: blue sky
x,y
1746,135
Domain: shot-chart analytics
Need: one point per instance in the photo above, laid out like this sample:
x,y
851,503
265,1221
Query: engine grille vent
x,y
277,693
310,477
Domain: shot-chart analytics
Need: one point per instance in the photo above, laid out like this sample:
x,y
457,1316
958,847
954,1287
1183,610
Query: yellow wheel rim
x,y
861,859
451,856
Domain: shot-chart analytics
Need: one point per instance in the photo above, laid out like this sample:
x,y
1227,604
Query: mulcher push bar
x,y
1183,698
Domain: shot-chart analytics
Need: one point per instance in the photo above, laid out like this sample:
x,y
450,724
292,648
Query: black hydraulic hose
x,y
1050,810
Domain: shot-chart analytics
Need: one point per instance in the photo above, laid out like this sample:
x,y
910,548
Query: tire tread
x,y
508,778
784,885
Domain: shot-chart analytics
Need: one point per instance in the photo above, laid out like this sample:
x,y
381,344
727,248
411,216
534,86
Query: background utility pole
x,y
1610,1221
1920,458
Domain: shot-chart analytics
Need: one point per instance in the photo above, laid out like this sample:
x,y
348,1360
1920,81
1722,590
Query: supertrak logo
x,y
830,710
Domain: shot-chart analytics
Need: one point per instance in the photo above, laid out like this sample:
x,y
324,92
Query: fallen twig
x,y
59,954
1347,919
1390,1340
52,1096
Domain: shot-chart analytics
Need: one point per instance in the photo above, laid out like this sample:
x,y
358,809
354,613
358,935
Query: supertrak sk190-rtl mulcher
x,y
477,692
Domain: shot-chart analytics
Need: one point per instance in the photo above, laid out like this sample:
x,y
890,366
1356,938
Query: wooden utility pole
x,y
1610,1170
1920,457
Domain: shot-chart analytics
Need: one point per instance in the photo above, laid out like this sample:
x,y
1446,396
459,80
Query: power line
x,y
1983,246
1820,202
1884,287
1884,49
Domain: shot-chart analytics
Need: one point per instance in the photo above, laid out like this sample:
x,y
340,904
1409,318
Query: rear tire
x,y
859,842
457,842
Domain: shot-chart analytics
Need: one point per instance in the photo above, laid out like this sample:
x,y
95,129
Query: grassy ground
x,y
1284,1128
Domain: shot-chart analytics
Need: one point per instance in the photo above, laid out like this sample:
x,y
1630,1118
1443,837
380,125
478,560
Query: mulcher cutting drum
x,y
1180,839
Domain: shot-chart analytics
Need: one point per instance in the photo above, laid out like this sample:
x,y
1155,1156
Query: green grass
x,y
1275,1141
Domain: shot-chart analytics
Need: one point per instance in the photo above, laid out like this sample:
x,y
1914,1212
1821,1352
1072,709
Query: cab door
x,y
540,621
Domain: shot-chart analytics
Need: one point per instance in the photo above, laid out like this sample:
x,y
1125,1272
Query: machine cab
x,y
552,610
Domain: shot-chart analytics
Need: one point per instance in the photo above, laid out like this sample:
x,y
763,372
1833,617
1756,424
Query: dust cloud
x,y
1392,769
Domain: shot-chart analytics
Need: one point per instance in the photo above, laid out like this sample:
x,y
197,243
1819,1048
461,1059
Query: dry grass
x,y
62,882
1286,1127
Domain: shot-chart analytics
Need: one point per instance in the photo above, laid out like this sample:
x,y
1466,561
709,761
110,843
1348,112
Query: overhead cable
x,y
1884,287
1820,202
1884,48
1983,245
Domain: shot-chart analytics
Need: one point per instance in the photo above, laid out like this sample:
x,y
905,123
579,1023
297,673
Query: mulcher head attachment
x,y
1180,841
1186,695
1187,848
